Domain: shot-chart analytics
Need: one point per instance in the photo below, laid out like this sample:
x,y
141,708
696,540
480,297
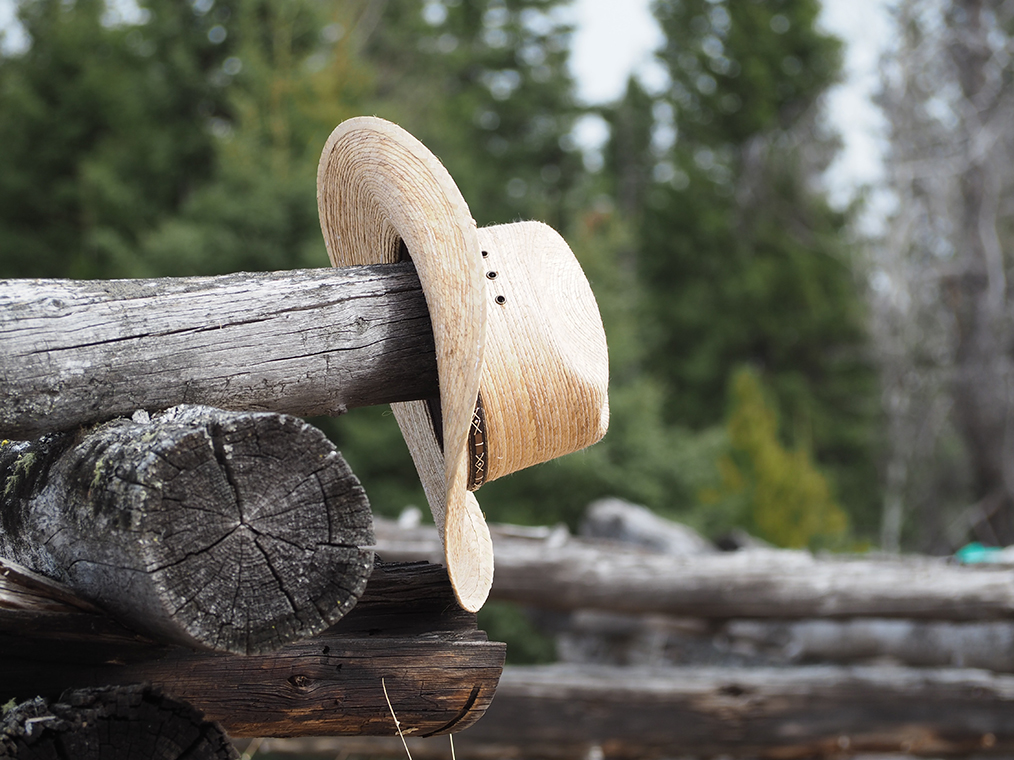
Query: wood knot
x,y
300,681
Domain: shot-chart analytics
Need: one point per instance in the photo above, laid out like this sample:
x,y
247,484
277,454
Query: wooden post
x,y
407,634
232,531
305,342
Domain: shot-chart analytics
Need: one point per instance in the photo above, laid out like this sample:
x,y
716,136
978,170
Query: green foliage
x,y
187,143
485,85
740,69
777,492
526,644
741,260
104,131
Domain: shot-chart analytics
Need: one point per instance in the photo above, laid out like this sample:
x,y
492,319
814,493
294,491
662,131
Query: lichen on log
x,y
232,531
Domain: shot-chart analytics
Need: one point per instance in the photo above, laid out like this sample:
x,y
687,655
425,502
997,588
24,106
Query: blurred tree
x,y
778,493
740,256
485,85
106,130
292,78
942,297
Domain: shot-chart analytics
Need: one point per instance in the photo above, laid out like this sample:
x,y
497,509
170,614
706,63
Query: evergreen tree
x,y
106,130
742,260
485,85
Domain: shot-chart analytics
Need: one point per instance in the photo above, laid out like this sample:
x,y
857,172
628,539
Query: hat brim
x,y
380,191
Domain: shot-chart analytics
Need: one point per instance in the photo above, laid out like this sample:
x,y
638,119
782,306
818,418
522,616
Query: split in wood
x,y
231,531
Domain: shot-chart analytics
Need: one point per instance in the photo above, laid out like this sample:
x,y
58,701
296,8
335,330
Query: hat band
x,y
477,447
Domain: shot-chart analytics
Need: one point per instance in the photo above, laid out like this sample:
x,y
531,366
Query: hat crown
x,y
546,368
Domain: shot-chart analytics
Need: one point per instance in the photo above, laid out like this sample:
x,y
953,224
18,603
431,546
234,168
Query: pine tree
x,y
106,129
742,260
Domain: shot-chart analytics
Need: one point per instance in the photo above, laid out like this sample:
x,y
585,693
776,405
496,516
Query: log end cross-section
x,y
233,531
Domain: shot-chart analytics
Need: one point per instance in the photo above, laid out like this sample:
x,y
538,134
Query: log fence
x,y
212,565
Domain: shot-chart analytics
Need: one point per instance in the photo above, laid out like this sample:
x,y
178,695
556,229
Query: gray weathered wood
x,y
407,634
610,638
564,712
232,531
305,342
112,723
559,572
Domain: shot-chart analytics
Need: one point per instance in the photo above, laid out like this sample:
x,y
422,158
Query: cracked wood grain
x,y
303,342
231,531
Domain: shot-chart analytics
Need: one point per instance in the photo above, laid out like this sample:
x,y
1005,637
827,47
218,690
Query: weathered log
x,y
559,572
406,634
112,723
305,342
610,638
566,712
988,645
233,531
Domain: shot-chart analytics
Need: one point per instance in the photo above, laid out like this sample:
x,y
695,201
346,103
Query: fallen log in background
x,y
305,342
112,723
553,570
609,638
233,531
566,712
407,634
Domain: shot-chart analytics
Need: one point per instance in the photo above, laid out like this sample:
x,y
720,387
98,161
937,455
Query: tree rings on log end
x,y
237,532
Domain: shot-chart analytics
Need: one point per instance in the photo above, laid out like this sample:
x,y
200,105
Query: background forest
x,y
772,369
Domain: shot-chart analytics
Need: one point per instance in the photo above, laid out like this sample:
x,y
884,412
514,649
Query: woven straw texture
x,y
514,323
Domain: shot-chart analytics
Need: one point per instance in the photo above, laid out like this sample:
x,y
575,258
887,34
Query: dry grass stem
x,y
251,749
397,723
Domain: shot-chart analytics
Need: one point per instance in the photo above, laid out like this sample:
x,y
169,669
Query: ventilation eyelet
x,y
491,275
501,300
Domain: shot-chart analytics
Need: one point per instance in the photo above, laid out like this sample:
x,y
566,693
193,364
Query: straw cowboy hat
x,y
520,349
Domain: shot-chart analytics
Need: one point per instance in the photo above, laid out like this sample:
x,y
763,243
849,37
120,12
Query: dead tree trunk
x,y
232,531
112,723
306,342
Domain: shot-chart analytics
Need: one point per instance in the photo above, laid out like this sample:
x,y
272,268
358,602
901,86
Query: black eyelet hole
x,y
491,275
501,300
485,254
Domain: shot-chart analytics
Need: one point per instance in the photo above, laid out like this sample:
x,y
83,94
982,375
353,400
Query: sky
x,y
615,38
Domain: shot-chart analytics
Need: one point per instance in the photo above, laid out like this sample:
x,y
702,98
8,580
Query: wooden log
x,y
988,645
610,638
406,634
625,713
555,571
112,723
304,342
233,531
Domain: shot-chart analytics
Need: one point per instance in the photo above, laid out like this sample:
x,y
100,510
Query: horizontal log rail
x,y
233,531
556,571
303,342
560,712
406,636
